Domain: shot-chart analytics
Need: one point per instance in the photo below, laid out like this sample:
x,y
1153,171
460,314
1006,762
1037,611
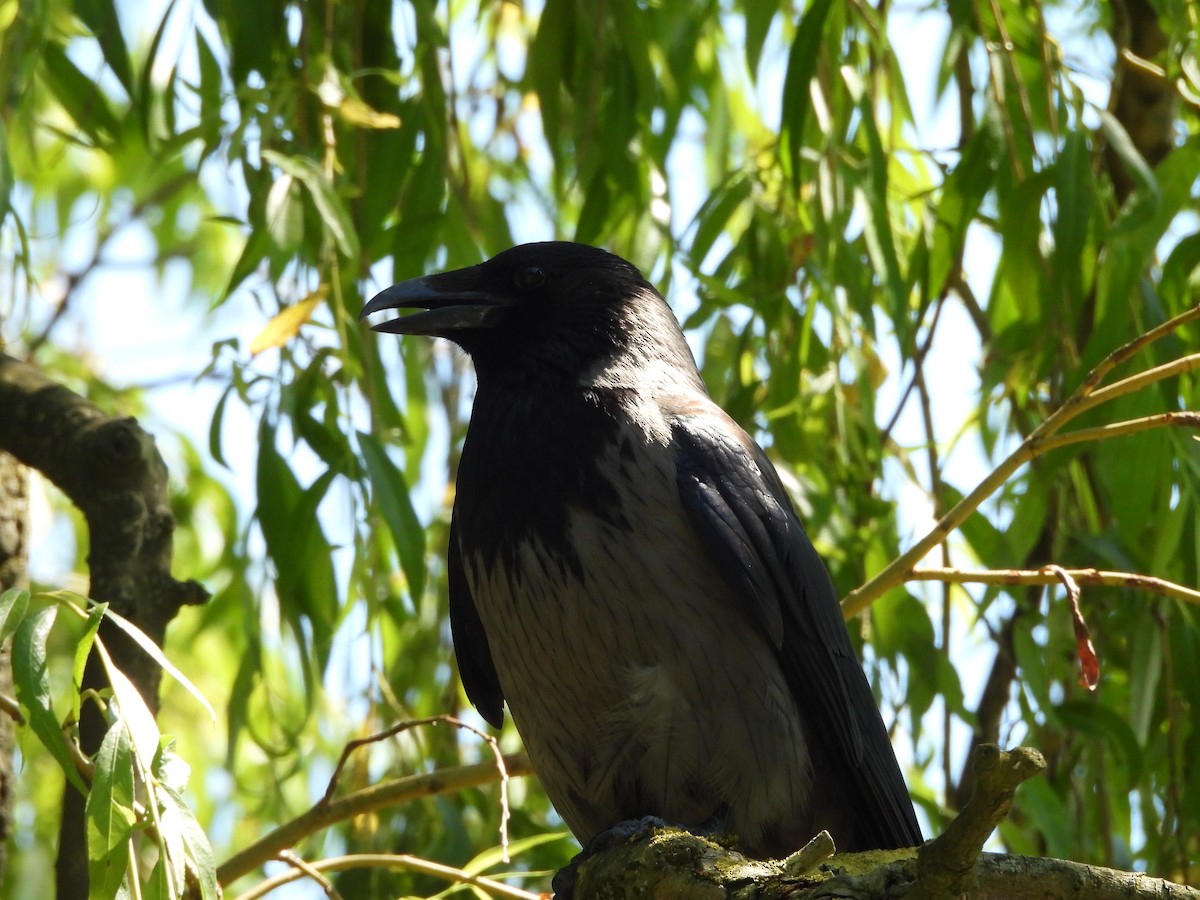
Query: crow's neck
x,y
529,459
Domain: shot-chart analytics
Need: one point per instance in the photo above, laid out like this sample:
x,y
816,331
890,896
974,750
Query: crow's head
x,y
557,308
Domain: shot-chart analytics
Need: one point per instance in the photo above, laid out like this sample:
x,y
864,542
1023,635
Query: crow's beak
x,y
448,308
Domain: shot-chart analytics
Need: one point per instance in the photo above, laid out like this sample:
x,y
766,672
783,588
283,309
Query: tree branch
x,y
1040,441
325,813
387,861
670,863
111,470
1039,576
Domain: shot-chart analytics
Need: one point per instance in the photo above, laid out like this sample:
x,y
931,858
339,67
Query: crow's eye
x,y
529,277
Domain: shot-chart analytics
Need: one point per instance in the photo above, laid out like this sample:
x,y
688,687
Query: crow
x,y
627,572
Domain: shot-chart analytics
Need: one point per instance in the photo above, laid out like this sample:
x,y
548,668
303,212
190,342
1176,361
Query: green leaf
x,y
83,647
147,96
32,681
396,505
253,253
132,712
1178,270
1073,215
214,428
802,63
179,820
110,815
13,604
714,216
1145,670
79,95
287,515
759,14
285,213
210,85
102,20
1145,200
333,212
156,886
155,652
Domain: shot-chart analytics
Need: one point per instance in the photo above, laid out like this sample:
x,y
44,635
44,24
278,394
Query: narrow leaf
x,y
132,712
180,820
32,682
110,815
13,604
802,63
84,647
155,652
333,212
286,324
396,505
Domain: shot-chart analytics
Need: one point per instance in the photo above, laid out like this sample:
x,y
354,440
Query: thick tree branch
x,y
946,865
669,863
111,470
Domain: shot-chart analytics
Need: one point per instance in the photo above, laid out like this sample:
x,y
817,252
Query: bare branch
x,y
434,720
1038,442
378,796
1009,577
386,861
946,865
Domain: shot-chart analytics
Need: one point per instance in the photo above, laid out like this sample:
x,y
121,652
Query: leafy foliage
x,y
898,237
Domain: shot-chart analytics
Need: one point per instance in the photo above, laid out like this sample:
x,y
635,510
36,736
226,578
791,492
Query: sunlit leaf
x,y
286,324
155,652
13,604
333,211
110,815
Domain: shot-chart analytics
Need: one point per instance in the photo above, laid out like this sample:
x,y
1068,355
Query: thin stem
x,y
387,861
377,796
1091,577
1039,442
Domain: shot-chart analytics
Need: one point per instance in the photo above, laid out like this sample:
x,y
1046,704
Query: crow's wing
x,y
475,665
741,513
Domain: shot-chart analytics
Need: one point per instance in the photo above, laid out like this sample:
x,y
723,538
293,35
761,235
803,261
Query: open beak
x,y
447,308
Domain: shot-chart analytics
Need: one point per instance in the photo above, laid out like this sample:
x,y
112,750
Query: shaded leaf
x,y
31,678
394,502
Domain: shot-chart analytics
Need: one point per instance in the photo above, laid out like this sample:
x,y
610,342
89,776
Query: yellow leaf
x,y
286,325
355,112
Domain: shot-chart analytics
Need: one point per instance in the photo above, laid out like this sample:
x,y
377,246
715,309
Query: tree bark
x,y
666,863
14,550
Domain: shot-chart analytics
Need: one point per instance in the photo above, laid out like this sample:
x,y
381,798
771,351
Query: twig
x,y
389,861
323,814
11,708
1041,576
1037,443
946,865
433,720
312,872
1184,419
